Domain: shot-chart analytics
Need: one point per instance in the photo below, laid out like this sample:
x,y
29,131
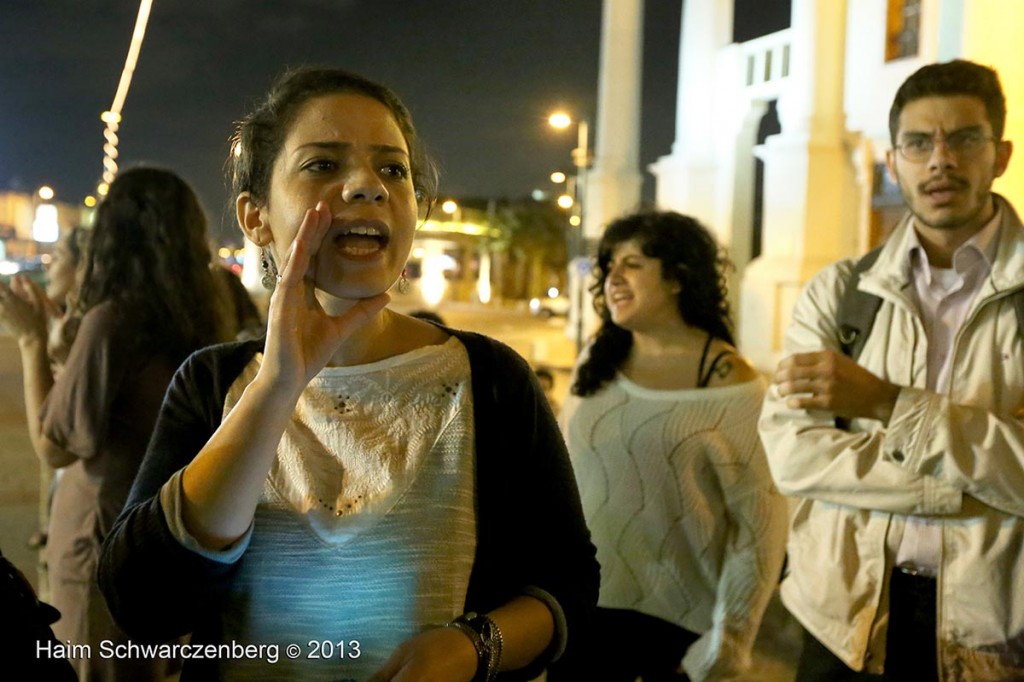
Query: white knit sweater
x,y
687,522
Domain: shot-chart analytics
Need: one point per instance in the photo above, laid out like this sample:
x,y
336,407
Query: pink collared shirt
x,y
944,297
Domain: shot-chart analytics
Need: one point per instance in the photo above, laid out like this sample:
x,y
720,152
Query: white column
x,y
811,201
611,187
687,178
613,183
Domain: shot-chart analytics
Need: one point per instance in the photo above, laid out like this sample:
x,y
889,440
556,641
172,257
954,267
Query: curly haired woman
x,y
661,426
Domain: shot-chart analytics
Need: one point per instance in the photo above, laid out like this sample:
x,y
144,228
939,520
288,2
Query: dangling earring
x,y
403,283
269,268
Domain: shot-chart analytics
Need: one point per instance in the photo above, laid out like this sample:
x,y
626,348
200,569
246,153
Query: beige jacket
x,y
958,457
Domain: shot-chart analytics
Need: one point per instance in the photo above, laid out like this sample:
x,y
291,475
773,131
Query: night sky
x,y
479,77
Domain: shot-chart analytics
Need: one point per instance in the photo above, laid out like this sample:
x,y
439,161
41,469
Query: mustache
x,y
941,182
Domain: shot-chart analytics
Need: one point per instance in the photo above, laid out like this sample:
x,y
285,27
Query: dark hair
x,y
148,252
259,136
949,79
689,255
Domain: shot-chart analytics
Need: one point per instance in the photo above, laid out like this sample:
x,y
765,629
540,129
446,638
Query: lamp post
x,y
580,261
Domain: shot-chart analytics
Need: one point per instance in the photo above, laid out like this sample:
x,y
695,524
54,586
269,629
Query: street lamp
x,y
573,201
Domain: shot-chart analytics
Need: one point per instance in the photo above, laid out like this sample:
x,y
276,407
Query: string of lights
x,y
112,117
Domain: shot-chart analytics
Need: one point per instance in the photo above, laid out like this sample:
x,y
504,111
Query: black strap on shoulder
x,y
1018,307
857,309
703,382
704,357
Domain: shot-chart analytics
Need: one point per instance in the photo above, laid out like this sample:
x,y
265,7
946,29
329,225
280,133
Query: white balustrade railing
x,y
764,61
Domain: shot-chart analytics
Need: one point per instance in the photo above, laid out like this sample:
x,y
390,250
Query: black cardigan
x,y
530,526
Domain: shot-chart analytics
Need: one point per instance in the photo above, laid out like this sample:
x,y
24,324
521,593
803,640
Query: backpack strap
x,y
1018,307
857,309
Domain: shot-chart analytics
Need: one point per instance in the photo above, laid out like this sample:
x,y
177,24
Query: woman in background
x,y
661,426
63,277
147,300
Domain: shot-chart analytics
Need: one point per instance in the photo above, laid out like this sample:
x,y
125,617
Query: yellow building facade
x,y
781,141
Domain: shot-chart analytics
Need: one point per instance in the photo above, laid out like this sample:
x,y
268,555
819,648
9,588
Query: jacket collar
x,y
892,269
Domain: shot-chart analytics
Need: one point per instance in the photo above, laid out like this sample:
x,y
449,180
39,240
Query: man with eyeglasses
x,y
906,550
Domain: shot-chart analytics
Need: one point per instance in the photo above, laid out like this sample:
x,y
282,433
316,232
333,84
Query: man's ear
x,y
1004,149
250,217
890,163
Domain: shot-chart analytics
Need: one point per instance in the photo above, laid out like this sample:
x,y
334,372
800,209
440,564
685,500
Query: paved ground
x,y
19,484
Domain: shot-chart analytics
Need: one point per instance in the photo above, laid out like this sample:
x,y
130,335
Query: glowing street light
x,y
46,193
450,207
574,200
560,120
558,177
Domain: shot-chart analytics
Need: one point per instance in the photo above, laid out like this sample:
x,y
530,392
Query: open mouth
x,y
360,237
944,190
619,297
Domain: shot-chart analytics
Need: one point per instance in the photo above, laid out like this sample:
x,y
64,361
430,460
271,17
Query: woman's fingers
x,y
362,312
35,294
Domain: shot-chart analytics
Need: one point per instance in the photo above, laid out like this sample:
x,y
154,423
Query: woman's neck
x,y
669,339
367,344
388,334
668,359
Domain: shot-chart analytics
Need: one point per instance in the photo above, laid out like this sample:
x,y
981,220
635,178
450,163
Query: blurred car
x,y
552,305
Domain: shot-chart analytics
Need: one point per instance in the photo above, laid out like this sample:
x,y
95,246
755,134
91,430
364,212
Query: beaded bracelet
x,y
486,637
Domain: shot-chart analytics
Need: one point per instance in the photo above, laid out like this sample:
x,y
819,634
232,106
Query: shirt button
x,y
898,455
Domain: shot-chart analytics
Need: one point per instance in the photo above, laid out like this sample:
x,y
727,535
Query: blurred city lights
x,y
433,282
45,227
89,201
449,207
558,177
574,220
46,193
483,282
565,201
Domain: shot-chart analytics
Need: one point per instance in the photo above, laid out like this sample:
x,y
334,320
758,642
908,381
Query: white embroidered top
x,y
366,530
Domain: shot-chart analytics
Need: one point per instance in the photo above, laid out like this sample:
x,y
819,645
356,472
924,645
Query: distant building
x,y
30,225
